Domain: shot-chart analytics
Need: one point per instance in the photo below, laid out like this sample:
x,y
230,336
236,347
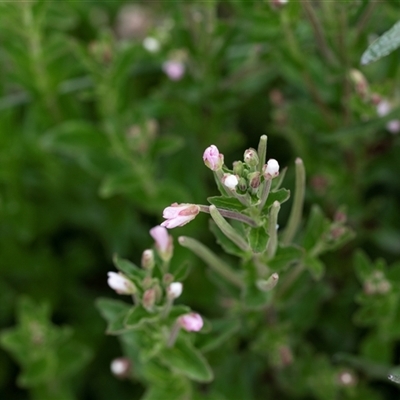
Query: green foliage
x,y
97,140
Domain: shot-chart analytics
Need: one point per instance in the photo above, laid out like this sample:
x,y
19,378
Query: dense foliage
x,y
106,108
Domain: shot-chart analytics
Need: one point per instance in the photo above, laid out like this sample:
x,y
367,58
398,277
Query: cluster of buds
x,y
376,284
249,181
246,176
155,295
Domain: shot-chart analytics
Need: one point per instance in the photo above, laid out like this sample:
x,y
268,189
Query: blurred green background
x,y
97,139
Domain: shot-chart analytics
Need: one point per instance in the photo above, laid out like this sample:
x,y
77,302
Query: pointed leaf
x,y
285,256
187,360
382,46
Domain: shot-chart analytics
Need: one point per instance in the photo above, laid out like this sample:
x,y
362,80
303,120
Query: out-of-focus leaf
x,y
382,46
185,359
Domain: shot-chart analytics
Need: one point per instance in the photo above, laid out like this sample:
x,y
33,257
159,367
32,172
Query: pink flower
x,y
213,158
191,322
174,70
162,239
179,214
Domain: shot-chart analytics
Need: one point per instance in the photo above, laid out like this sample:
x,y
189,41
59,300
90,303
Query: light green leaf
x,y
382,46
258,239
187,360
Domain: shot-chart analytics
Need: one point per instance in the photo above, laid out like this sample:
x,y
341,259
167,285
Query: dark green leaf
x,y
129,269
138,316
280,195
315,266
228,203
222,330
285,256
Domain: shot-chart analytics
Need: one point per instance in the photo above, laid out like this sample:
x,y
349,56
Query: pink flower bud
x,y
191,322
149,299
271,169
213,158
175,70
174,290
230,181
251,157
120,283
163,242
148,259
179,214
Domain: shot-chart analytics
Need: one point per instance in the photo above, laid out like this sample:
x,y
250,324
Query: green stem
x,y
298,201
211,260
272,231
265,193
232,215
227,229
262,151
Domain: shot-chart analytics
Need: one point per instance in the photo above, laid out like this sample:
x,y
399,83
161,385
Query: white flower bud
x,y
230,181
120,283
271,169
174,290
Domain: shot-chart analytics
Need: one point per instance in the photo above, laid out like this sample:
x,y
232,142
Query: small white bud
x,y
271,169
120,367
151,44
174,290
230,181
120,283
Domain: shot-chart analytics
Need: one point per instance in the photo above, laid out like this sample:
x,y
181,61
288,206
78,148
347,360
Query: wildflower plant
x,y
160,336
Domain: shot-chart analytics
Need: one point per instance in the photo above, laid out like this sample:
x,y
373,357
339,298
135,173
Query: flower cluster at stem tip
x,y
248,181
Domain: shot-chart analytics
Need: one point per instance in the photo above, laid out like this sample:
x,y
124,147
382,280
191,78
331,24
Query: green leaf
x,y
228,246
316,226
363,266
186,360
114,312
222,330
382,46
285,256
280,195
258,239
227,203
138,316
129,269
315,266
167,145
181,272
175,388
253,297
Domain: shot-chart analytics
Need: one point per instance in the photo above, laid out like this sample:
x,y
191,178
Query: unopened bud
x,y
121,367
251,157
360,83
230,181
168,279
174,290
120,283
149,299
269,284
238,168
271,169
276,4
242,185
254,179
191,322
148,260
212,158
347,378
